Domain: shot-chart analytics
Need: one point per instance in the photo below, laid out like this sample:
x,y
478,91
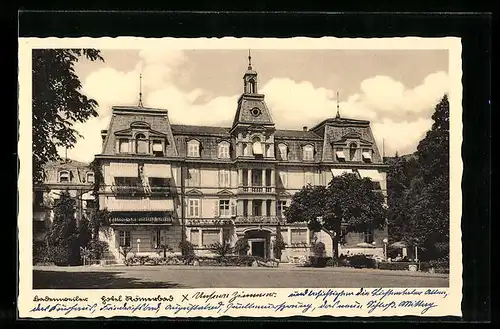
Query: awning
x,y
120,169
257,148
87,196
340,154
139,205
339,172
157,147
367,155
155,170
373,174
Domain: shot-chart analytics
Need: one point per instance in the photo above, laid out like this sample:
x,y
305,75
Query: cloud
x,y
399,115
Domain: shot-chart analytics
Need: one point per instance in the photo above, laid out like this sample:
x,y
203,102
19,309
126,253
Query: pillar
x,y
200,237
240,177
249,176
221,235
239,208
263,177
250,208
263,208
308,236
273,208
289,240
273,177
188,234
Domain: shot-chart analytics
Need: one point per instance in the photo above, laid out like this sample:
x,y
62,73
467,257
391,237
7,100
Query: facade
x,y
166,182
75,177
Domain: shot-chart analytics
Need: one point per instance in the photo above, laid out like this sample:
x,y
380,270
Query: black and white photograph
x,y
257,166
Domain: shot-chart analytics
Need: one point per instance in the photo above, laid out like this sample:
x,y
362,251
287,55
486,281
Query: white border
x,y
451,305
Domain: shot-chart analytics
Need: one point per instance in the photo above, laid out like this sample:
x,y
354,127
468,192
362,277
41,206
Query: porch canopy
x,y
156,170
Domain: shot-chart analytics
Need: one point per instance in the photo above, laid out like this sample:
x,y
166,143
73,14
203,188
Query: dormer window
x,y
340,155
223,151
308,153
141,143
64,176
257,146
283,150
352,151
123,145
193,148
367,155
157,148
89,177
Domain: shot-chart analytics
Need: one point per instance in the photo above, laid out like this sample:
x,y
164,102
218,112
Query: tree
x,y
63,235
279,244
429,198
348,204
57,103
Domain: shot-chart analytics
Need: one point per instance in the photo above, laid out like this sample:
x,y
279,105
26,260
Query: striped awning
x,y
121,169
157,170
339,172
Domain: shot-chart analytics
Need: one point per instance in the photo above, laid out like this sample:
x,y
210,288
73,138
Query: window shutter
x,y
233,209
217,209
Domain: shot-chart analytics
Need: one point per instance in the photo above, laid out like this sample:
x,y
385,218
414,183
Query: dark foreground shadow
x,y
93,280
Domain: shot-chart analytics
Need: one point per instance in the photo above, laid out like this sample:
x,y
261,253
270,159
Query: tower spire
x,y
140,90
249,60
338,107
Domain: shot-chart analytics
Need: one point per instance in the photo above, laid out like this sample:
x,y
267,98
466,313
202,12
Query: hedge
x,y
396,266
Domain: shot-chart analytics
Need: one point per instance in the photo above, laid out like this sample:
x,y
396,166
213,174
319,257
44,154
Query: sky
x,y
396,90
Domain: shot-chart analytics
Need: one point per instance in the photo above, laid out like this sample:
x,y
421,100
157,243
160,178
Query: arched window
x,y
224,150
308,153
64,176
352,151
283,150
89,177
252,86
257,146
141,144
193,148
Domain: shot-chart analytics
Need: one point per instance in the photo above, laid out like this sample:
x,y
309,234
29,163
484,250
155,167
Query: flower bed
x,y
231,260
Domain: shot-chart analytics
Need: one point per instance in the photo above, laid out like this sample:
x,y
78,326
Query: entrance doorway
x,y
258,248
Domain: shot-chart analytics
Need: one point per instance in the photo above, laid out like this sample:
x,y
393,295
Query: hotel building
x,y
164,181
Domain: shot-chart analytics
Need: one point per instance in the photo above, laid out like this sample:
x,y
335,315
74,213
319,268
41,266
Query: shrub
x,y
187,250
241,247
41,254
319,249
439,266
395,266
97,249
361,261
221,249
60,255
279,245
164,248
319,261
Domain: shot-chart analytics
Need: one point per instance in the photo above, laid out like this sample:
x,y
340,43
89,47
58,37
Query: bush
x,y
241,247
60,255
221,249
187,250
439,266
395,266
41,254
361,261
97,249
319,261
319,249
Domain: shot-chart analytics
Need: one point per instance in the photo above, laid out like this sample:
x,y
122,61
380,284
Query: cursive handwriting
x,y
63,308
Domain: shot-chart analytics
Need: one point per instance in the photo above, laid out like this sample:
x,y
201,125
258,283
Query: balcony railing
x,y
209,221
127,189
141,220
259,220
257,189
160,190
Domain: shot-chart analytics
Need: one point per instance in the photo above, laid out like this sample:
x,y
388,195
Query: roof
x,y
296,134
66,163
246,104
200,130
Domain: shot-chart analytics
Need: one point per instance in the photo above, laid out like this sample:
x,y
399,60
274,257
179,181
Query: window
x,y
224,150
126,181
281,207
124,237
195,237
224,178
157,148
246,149
283,178
193,148
257,146
193,177
64,177
283,151
123,145
224,208
308,153
194,207
269,152
368,236
158,182
352,151
159,238
299,235
367,155
210,237
141,144
308,178
90,177
257,207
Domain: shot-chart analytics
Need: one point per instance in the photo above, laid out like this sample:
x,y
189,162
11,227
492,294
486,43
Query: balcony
x,y
259,220
141,220
139,204
208,221
257,189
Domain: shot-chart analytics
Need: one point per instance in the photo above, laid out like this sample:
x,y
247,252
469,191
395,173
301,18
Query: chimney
x,y
304,128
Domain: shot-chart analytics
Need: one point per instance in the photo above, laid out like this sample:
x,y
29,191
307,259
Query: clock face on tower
x,y
255,112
